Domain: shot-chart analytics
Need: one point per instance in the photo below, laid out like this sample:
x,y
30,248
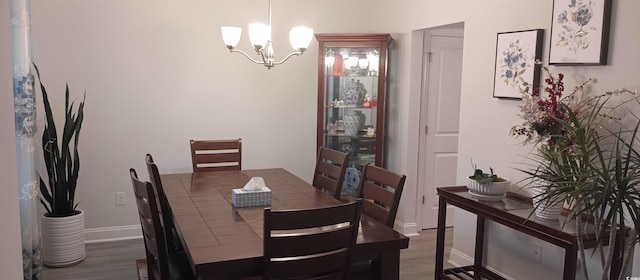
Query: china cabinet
x,y
352,83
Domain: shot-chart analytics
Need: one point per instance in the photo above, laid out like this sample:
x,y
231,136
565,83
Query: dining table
x,y
225,242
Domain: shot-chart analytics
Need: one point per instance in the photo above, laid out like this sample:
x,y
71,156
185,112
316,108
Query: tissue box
x,y
243,198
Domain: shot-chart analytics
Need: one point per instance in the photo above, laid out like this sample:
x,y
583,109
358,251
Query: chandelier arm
x,y
262,55
287,57
247,56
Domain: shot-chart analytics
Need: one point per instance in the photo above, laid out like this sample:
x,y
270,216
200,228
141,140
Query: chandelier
x,y
260,37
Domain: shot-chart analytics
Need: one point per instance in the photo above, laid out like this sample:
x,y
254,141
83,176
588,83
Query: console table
x,y
513,211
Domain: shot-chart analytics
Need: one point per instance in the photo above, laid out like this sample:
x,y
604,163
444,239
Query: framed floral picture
x,y
516,69
580,32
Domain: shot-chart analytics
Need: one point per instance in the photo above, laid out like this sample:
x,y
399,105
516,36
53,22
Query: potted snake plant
x,y
62,224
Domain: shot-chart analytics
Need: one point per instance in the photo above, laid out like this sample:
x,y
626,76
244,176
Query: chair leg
x,y
175,240
375,269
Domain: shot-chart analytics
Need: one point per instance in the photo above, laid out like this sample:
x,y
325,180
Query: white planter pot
x,y
488,191
546,210
62,240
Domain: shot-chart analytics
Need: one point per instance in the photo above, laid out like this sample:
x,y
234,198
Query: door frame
x,y
417,112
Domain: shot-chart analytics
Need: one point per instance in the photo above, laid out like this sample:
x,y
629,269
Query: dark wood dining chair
x,y
380,190
160,264
329,173
173,241
216,155
310,243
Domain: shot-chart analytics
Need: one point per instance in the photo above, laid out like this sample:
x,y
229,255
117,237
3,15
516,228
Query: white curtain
x,y
26,140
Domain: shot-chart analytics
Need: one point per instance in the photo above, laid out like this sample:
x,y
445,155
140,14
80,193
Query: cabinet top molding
x,y
354,37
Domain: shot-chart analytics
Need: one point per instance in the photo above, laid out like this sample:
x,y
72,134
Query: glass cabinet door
x,y
351,96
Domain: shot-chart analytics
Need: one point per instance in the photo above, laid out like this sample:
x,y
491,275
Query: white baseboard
x,y
104,234
458,259
408,229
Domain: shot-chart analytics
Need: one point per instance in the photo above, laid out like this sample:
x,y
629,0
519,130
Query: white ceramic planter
x,y
62,240
488,191
546,210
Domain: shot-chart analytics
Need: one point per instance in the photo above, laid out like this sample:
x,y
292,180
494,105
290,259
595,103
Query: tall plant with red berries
x,y
541,113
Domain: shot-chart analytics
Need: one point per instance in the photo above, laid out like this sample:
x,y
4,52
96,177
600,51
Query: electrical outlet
x,y
535,252
121,198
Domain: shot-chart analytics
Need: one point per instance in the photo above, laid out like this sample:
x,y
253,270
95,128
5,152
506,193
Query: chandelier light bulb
x,y
259,34
231,35
300,38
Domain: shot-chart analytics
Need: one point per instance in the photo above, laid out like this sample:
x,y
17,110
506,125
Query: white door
x,y
440,111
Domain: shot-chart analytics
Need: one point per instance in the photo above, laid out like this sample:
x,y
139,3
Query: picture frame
x,y
580,32
517,67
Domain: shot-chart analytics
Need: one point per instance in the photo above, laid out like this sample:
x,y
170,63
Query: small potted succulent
x,y
487,185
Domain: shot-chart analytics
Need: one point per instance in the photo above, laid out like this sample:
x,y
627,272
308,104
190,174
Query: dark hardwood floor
x,y
117,259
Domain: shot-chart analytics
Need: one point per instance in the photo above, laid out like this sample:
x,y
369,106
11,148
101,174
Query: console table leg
x,y
570,262
616,265
442,217
479,250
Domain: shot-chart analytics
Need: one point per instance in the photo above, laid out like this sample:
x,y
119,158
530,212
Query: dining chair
x,y
310,243
160,264
173,240
329,172
380,190
216,155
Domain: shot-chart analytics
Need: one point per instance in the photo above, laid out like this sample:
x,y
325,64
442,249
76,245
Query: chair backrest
x,y
330,168
154,239
163,203
310,243
380,190
216,155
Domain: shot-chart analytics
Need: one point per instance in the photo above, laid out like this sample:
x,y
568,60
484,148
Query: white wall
x,y
157,74
11,256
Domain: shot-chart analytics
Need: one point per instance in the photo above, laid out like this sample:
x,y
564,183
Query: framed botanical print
x,y
517,70
580,32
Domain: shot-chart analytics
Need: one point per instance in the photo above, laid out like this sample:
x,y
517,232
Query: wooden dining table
x,y
225,242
